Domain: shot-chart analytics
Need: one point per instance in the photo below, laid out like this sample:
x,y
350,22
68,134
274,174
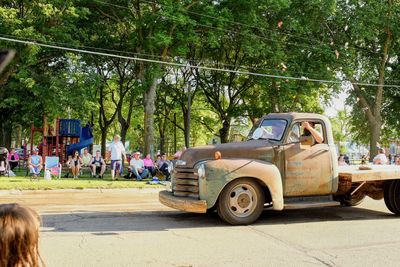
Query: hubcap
x,y
242,200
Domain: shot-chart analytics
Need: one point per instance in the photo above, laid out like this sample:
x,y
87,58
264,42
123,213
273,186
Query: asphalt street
x,y
130,228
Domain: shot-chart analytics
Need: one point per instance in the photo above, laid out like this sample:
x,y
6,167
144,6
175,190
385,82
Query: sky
x,y
336,104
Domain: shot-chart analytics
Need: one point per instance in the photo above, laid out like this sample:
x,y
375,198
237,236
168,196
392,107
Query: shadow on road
x,y
107,223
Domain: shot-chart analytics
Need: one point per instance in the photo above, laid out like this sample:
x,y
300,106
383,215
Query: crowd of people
x,y
142,168
95,164
380,159
139,168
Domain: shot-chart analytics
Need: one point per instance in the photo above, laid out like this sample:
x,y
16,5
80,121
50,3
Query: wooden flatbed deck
x,y
377,173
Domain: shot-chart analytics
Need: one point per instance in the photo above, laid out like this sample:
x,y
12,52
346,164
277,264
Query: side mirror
x,y
258,133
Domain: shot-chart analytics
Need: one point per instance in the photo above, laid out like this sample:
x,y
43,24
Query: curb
x,y
88,190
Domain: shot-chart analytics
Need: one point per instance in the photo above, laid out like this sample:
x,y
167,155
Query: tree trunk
x,y
162,140
275,97
5,134
18,141
374,111
186,127
103,141
374,138
149,109
224,131
124,131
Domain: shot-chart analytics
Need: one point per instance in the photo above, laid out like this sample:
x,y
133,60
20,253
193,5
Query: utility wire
x,y
204,62
328,46
320,43
192,66
304,46
80,46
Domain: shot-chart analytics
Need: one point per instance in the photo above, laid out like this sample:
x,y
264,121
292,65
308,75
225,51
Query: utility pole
x,y
188,117
175,147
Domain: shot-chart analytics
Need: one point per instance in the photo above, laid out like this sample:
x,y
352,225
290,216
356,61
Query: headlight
x,y
201,171
180,162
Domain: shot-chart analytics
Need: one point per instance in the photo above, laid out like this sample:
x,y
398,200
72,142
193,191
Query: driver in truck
x,y
309,130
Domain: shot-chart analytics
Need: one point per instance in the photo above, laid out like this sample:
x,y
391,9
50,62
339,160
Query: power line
x,y
80,46
191,66
205,63
305,46
345,47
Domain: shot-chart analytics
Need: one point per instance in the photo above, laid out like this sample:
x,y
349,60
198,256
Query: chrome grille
x,y
185,183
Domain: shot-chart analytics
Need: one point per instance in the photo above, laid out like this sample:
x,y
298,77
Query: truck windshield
x,y
273,129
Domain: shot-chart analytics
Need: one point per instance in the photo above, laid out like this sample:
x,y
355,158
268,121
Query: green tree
x,y
368,31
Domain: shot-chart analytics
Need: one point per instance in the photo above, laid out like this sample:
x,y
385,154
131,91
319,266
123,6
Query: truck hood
x,y
252,149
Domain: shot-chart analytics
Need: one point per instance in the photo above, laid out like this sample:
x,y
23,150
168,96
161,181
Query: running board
x,y
310,202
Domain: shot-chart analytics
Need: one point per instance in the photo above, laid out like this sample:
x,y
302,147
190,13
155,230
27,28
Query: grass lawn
x,y
24,183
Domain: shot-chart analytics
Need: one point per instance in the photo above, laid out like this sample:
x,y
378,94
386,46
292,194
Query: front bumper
x,y
182,203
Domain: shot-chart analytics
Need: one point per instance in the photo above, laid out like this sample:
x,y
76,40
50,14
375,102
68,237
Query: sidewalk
x,y
86,200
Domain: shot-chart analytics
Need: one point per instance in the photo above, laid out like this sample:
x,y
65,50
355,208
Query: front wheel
x,y
241,202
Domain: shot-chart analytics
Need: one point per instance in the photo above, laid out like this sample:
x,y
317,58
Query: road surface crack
x,y
297,247
82,241
182,235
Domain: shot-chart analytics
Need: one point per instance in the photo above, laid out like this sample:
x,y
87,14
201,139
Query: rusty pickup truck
x,y
282,160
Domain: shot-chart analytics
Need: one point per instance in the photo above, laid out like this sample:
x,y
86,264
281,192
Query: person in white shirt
x,y
86,158
137,167
116,152
381,158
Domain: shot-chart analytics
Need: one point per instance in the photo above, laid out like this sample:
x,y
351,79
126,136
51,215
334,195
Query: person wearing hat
x,y
35,163
137,167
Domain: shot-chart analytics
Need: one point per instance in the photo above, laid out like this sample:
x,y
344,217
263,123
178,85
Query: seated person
x,y
86,158
397,160
309,130
35,163
149,164
75,163
163,165
13,159
342,161
157,160
137,168
98,165
381,158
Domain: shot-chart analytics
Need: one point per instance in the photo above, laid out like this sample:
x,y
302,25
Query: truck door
x,y
308,165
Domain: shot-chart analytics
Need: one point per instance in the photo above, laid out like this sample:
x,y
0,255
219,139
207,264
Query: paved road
x,y
130,228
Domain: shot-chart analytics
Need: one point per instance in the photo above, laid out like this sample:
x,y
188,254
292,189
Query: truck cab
x,y
279,160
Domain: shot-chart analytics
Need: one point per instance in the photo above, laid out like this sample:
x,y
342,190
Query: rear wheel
x,y
387,195
392,196
241,202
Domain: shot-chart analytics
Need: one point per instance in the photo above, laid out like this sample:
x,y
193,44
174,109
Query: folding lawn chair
x,y
53,166
4,165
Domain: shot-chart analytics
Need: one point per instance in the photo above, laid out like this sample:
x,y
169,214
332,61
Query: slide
x,y
86,139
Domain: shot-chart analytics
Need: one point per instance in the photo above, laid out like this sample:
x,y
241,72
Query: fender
x,y
218,173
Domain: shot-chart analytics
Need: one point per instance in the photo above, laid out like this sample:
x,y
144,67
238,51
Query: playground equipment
x,y
62,138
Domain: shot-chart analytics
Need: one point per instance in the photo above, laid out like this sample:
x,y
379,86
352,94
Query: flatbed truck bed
x,y
376,173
